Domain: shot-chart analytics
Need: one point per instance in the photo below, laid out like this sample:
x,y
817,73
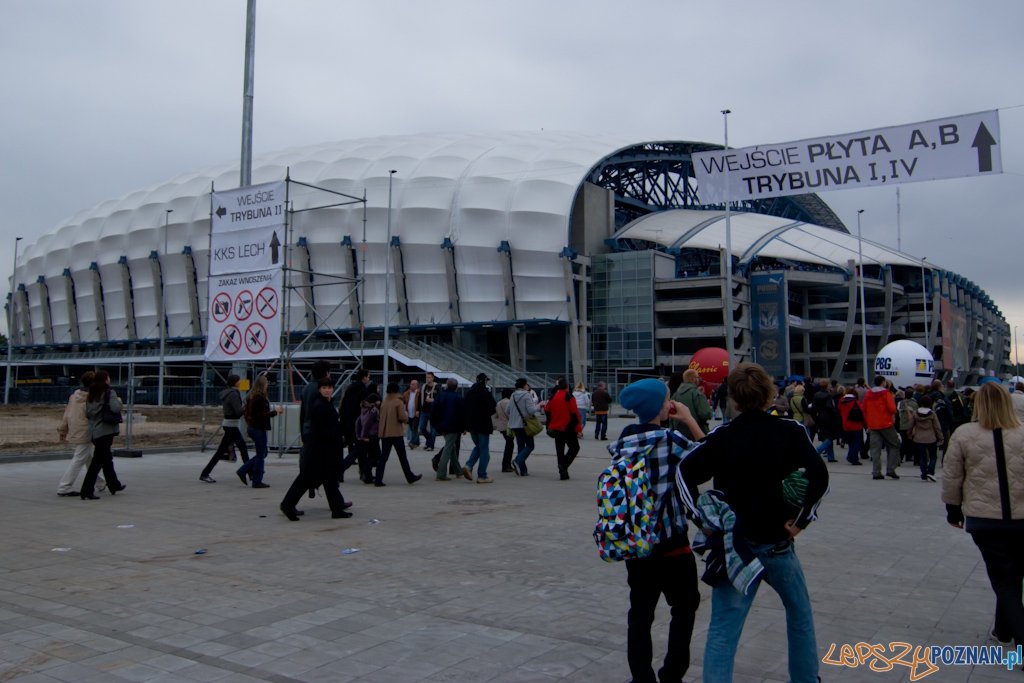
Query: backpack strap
x,y
1004,480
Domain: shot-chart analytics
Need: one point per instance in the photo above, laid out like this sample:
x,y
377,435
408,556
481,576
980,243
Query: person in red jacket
x,y
564,425
853,428
879,417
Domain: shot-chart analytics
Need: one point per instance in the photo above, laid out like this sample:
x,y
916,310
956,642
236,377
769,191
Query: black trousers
x,y
1003,552
564,458
649,578
366,453
102,459
510,447
398,443
232,435
305,482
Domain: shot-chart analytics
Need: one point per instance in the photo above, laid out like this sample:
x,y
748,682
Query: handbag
x,y
531,425
107,414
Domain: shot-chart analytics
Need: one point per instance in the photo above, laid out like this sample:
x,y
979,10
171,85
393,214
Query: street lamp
x,y
729,333
163,314
674,353
10,325
924,307
387,282
863,307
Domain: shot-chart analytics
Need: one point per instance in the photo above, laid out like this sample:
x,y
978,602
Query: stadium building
x,y
529,253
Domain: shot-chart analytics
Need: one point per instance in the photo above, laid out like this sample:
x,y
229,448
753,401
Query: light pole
x,y
729,333
163,314
863,306
1016,352
674,353
10,325
924,307
387,283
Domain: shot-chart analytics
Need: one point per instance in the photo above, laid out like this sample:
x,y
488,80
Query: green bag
x,y
794,490
531,424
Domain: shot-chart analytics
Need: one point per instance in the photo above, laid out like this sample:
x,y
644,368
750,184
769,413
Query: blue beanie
x,y
646,398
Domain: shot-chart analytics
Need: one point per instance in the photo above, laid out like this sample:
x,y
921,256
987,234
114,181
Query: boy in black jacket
x,y
749,458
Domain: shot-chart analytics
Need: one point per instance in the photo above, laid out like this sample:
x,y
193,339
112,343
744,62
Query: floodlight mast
x,y
245,177
729,329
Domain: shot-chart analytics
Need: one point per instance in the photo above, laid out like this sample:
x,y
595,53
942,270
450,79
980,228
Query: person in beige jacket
x,y
983,489
925,430
74,428
394,416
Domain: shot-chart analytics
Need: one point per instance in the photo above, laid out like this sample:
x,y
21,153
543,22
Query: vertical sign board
x,y
953,147
955,351
246,238
770,316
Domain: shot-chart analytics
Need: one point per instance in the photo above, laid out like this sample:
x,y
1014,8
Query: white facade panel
x,y
473,189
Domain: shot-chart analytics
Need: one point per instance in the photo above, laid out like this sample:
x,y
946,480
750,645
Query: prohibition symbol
x,y
266,303
221,307
230,340
243,305
255,338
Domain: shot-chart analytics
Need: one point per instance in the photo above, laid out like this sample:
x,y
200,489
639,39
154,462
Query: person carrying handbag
x,y
983,489
103,408
522,420
564,425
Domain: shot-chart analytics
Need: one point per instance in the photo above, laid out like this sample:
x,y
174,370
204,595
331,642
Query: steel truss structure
x,y
657,176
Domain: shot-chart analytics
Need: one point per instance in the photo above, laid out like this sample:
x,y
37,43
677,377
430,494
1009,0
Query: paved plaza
x,y
458,582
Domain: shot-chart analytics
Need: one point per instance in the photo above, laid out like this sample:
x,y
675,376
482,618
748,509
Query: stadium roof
x,y
756,235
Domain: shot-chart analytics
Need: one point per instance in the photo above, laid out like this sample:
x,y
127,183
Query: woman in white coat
x,y
983,489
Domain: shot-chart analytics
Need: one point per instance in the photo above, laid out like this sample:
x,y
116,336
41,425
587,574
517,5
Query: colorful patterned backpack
x,y
626,524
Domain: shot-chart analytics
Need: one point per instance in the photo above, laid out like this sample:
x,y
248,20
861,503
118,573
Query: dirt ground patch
x,y
33,428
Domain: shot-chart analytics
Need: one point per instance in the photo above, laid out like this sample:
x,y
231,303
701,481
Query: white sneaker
x,y
484,480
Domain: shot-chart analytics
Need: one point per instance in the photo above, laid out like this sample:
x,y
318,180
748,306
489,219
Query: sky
x,y
109,96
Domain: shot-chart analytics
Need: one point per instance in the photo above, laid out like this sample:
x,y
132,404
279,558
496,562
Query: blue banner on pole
x,y
770,318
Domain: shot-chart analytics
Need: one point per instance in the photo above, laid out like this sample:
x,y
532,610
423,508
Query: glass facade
x,y
621,310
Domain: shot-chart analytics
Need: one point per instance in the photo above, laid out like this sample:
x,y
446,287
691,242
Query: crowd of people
x,y
768,477
768,480
911,424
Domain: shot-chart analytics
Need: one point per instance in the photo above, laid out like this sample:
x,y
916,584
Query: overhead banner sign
x,y
247,229
954,147
245,316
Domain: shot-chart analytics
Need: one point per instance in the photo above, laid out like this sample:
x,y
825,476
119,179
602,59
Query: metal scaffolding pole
x,y
10,326
163,313
387,283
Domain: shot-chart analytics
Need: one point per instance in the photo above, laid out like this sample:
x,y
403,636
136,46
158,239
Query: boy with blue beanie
x,y
670,568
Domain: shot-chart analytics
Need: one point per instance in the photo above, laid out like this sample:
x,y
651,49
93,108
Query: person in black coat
x,y
349,410
827,420
480,406
318,461
310,391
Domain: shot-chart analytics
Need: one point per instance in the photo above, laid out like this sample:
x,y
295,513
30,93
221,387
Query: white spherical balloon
x,y
905,363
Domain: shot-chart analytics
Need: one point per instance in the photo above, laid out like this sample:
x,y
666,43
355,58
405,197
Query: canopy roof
x,y
756,235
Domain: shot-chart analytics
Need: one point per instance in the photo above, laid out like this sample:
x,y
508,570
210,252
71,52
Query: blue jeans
x,y
583,419
254,468
828,449
927,454
601,426
729,610
413,431
428,435
481,452
525,445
